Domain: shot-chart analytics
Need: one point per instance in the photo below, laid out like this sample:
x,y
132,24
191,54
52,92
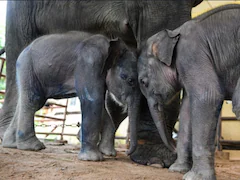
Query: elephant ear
x,y
163,48
113,54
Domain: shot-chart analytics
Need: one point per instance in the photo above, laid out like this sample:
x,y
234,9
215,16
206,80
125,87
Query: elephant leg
x,y
21,133
92,108
151,150
26,137
112,117
10,99
106,145
16,40
236,100
205,112
9,138
91,94
29,103
184,142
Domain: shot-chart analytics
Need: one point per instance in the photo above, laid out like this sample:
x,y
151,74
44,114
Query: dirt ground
x,y
60,162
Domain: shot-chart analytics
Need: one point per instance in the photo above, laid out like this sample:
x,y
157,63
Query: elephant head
x,y
122,84
158,78
120,68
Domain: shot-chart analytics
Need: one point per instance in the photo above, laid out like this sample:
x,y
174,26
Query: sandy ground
x,y
60,162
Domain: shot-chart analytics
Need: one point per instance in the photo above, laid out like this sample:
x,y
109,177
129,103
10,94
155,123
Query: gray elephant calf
x,y
75,64
202,57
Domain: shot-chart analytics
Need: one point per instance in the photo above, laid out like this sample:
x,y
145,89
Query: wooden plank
x,y
66,134
53,133
49,117
222,155
230,142
228,118
234,156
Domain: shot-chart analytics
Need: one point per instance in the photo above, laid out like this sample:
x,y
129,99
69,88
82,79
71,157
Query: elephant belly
x,y
61,90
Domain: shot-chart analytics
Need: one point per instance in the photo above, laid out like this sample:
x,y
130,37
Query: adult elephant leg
x,y
9,138
151,150
16,40
184,142
10,99
112,118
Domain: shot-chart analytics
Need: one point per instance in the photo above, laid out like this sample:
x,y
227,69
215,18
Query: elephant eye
x,y
143,82
123,76
130,81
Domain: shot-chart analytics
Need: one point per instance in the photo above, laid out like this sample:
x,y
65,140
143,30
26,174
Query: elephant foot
x,y
90,154
206,175
107,149
31,144
157,155
180,167
9,139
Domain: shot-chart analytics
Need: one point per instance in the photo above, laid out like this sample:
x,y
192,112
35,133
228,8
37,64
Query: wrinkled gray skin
x,y
203,58
75,64
134,21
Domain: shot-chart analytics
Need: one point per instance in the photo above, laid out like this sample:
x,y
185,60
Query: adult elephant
x,y
133,21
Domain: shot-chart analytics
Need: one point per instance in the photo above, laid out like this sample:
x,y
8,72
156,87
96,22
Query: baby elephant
x,y
75,64
202,57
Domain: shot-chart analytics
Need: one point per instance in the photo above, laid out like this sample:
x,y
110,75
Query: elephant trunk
x,y
133,115
160,122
